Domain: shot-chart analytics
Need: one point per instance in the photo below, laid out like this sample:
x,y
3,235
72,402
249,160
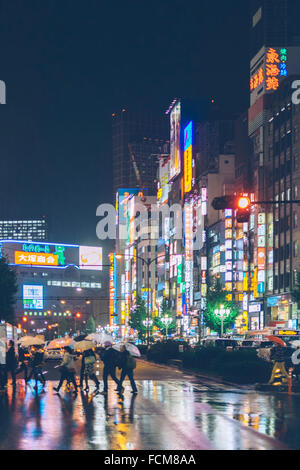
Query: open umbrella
x,y
60,343
277,340
131,348
27,341
84,345
96,337
79,338
106,337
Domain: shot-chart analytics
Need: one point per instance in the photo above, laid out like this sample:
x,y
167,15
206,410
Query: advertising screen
x,y
188,157
90,257
164,177
175,117
33,297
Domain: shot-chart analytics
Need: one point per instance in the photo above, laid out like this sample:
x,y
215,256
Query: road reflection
x,y
170,414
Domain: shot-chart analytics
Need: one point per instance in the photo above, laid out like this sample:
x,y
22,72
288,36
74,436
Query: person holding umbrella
x,y
67,370
87,369
128,364
109,359
37,364
11,362
23,360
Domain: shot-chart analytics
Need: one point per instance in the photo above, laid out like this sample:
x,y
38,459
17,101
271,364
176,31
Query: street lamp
x,y
222,312
166,321
148,323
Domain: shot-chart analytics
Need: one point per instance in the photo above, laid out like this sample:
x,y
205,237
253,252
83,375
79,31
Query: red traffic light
x,y
78,314
244,202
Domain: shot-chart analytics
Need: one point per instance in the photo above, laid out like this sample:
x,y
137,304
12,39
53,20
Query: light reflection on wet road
x,y
176,413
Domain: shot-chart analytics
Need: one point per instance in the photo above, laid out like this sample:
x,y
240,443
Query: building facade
x,y
55,282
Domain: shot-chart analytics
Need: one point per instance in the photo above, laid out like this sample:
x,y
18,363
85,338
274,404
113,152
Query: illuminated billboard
x,y
90,257
33,297
188,157
175,117
123,197
164,177
46,255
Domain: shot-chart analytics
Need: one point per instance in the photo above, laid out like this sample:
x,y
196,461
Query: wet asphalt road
x,y
172,410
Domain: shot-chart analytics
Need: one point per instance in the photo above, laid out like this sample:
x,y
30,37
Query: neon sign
x,y
188,157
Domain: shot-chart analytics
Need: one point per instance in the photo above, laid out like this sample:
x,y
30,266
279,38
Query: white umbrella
x,y
27,341
60,343
131,348
84,345
96,337
105,337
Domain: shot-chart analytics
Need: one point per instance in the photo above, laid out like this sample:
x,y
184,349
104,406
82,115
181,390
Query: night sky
x,y
69,64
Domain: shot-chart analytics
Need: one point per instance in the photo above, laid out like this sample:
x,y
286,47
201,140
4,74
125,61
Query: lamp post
x,y
148,323
222,312
166,321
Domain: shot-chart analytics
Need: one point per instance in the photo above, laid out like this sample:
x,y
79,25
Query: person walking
x,y
37,364
22,363
88,369
109,358
128,364
67,370
11,362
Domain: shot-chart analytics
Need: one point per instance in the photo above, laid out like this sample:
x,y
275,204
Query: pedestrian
x,y
37,365
278,356
11,362
88,369
67,370
109,358
23,362
128,364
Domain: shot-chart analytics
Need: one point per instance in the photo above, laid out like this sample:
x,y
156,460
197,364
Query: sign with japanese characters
x,y
51,255
23,257
33,297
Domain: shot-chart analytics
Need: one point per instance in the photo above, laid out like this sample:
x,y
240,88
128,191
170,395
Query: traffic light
x,y
241,204
224,202
243,210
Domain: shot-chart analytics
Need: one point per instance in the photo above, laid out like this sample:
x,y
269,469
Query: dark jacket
x,y
110,357
11,360
127,362
278,354
37,359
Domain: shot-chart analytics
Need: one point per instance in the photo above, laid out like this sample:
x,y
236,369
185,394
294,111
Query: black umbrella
x,y
80,338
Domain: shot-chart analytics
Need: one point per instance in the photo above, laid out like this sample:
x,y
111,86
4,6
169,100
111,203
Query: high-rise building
x,y
274,23
140,137
275,51
24,229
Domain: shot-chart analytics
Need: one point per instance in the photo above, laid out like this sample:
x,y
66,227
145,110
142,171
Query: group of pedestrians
x,y
18,362
111,360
